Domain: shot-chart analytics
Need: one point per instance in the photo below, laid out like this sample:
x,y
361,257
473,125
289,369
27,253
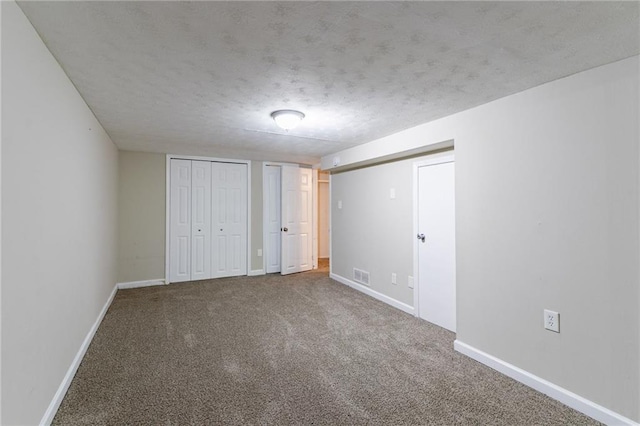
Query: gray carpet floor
x,y
299,349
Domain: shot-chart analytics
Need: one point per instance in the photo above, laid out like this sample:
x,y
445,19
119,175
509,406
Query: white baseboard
x,y
66,382
136,284
255,272
369,292
566,397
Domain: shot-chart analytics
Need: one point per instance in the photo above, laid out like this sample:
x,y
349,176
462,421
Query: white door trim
x,y
330,227
167,219
447,157
167,192
314,215
323,209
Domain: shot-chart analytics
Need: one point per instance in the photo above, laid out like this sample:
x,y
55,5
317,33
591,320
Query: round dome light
x,y
287,119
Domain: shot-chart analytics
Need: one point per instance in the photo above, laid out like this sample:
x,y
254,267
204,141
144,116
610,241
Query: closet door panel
x,y
201,220
273,218
180,226
229,253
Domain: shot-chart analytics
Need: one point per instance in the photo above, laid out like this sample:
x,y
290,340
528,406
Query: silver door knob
x,y
421,237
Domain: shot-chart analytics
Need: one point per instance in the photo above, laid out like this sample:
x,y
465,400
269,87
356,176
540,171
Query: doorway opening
x,y
289,233
323,232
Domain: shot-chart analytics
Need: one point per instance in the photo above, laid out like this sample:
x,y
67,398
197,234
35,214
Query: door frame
x,y
439,158
167,240
330,225
314,218
317,209
264,207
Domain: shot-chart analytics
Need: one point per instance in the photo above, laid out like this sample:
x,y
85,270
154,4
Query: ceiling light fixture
x,y
287,118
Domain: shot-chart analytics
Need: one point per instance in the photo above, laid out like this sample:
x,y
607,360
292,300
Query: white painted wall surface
x,y
59,221
371,231
255,261
141,216
547,216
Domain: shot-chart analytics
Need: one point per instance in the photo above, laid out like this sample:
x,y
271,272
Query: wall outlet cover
x,y
552,321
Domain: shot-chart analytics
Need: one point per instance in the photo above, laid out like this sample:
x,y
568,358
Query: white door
x,y
297,220
200,220
180,225
436,251
229,211
273,204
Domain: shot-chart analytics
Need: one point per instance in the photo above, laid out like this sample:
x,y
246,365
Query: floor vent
x,y
360,276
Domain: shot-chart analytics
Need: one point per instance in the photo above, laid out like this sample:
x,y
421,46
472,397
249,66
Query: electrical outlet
x,y
552,320
394,278
410,281
259,252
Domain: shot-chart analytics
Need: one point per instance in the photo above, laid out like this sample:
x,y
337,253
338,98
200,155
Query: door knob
x,y
421,237
285,229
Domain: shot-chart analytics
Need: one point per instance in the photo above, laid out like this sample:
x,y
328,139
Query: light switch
x,y
339,204
392,193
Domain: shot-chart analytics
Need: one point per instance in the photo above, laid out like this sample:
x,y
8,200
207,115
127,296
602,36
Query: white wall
x,y
255,262
141,216
547,216
59,221
551,197
371,231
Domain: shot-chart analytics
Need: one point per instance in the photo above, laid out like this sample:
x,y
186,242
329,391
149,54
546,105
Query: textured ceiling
x,y
203,77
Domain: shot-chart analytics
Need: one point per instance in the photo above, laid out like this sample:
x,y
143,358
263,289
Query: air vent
x,y
361,276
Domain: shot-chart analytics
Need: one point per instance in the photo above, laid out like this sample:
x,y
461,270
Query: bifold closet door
x,y
229,212
190,251
200,220
272,214
208,220
180,225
